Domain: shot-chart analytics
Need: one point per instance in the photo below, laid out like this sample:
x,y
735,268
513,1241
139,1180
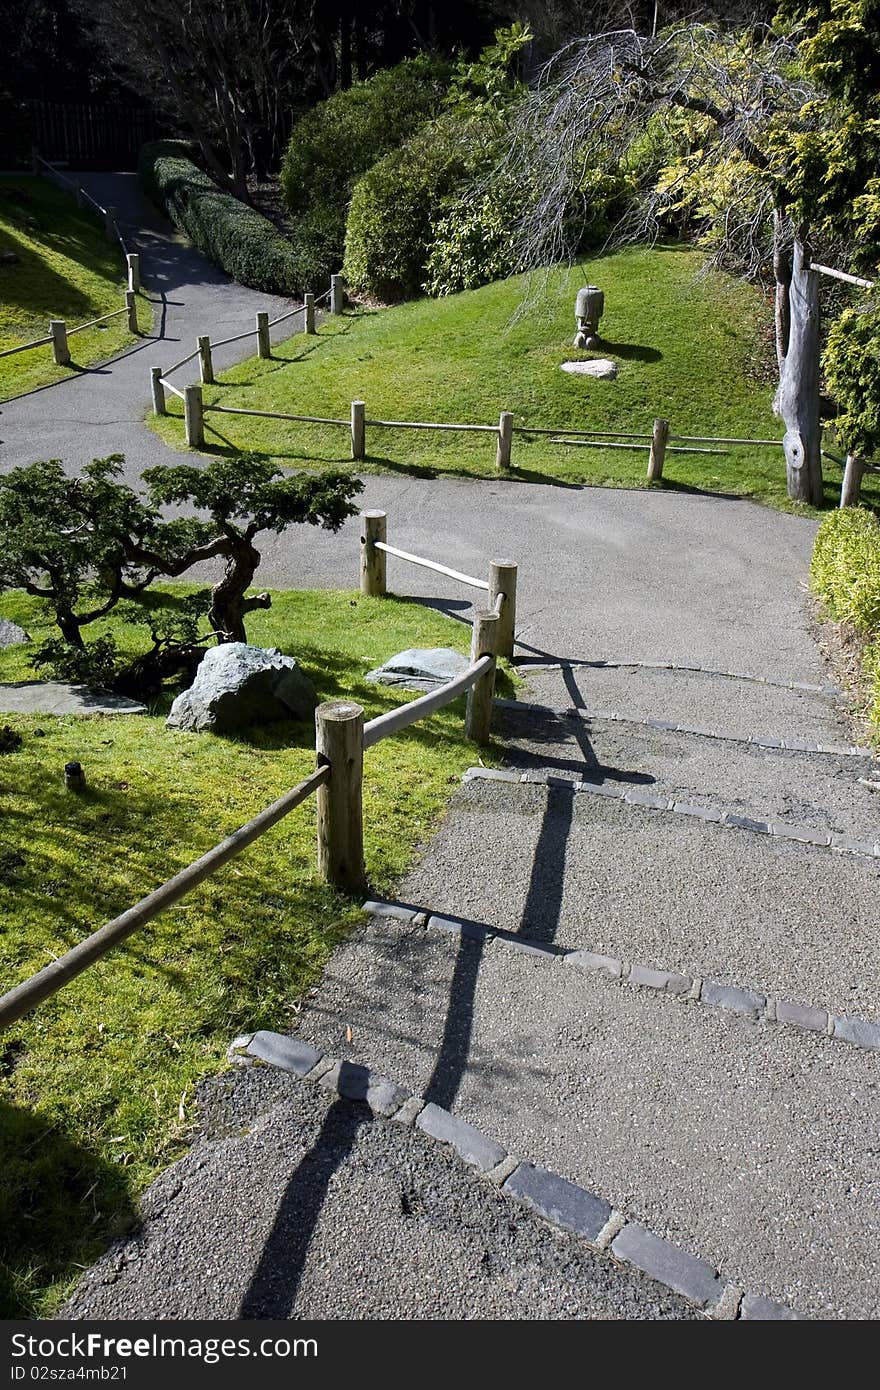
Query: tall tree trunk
x,y
797,396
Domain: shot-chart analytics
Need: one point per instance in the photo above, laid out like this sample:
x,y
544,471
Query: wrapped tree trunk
x,y
797,396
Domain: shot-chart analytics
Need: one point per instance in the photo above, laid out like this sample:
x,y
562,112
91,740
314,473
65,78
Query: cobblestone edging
x,y
552,1198
744,1000
829,691
668,726
655,801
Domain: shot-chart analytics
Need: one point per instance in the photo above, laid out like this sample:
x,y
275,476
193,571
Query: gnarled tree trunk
x,y
797,396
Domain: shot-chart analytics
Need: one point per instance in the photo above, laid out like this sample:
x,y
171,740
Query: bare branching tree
x,y
627,103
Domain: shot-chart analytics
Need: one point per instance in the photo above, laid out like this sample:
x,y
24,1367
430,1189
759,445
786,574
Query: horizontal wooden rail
x,y
300,309
421,425
637,448
80,327
433,565
236,338
182,363
580,434
275,415
842,275
172,387
52,977
23,347
405,715
841,462
719,439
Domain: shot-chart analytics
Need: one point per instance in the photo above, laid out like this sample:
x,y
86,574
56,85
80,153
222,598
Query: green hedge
x,y
339,139
236,237
845,574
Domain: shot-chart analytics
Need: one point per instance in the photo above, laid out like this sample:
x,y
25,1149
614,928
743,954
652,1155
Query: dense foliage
x,y
233,235
845,574
336,142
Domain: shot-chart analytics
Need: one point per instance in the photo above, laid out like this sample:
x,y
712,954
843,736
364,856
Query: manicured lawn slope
x,y
688,345
96,1086
66,269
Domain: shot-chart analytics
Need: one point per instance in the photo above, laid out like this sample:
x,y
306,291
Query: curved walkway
x,y
101,411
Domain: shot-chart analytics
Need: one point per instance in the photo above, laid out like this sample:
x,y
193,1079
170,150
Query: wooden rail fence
x,y
59,332
341,739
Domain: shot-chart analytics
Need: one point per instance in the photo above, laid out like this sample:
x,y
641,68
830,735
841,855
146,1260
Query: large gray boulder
x,y
11,635
420,668
237,686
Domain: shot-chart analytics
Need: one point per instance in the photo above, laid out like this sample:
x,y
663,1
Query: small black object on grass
x,y
74,777
10,739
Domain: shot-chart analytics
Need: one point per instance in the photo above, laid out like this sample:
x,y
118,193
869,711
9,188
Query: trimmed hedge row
x,y
236,237
845,574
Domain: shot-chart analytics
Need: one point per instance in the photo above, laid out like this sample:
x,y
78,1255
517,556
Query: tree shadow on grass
x,y
59,1204
630,352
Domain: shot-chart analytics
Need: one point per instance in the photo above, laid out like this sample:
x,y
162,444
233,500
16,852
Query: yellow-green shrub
x,y
845,574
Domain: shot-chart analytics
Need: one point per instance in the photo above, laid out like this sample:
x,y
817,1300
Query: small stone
x,y
356,1082
659,979
857,1031
279,1050
612,793
559,1201
589,960
758,827
801,833
706,813
693,1278
740,1001
600,368
490,774
640,796
420,668
469,1143
756,1308
801,1015
409,1112
460,926
398,911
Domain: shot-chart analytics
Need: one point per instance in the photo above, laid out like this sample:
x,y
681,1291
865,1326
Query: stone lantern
x,y
588,308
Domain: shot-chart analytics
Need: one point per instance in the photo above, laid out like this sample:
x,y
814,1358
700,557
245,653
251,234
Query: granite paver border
x,y
552,1198
634,795
669,726
745,1000
525,663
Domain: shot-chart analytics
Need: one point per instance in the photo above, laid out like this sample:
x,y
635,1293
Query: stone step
x,y
664,889
822,791
747,1144
313,1209
715,702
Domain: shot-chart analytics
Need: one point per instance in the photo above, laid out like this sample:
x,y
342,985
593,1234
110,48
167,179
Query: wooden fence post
x,y
158,391
851,487
60,350
337,294
133,261
206,361
502,580
264,347
339,741
194,416
373,566
131,305
358,430
505,440
110,223
658,449
309,302
478,717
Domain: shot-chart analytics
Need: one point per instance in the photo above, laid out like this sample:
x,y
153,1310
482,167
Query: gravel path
x,y
749,1144
660,889
317,1211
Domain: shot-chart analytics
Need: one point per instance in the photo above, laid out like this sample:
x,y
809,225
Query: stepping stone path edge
x,y
748,1002
552,1198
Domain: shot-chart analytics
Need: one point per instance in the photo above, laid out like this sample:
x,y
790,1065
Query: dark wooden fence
x,y
90,135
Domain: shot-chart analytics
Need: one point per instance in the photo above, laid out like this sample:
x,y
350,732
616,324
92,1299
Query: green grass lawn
x,y
692,347
64,269
96,1086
